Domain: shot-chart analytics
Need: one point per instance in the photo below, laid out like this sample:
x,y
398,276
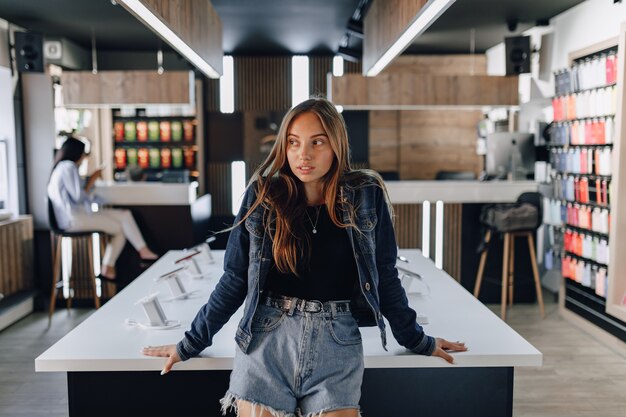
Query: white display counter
x,y
146,193
104,345
408,192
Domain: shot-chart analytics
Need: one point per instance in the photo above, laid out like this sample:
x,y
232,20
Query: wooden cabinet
x,y
114,88
16,255
410,90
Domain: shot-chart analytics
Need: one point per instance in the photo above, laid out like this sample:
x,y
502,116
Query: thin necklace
x,y
316,218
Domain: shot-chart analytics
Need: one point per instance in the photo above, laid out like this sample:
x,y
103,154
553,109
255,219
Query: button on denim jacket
x,y
248,258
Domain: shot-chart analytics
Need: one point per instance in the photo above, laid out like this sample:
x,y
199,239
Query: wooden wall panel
x,y
396,89
384,23
452,232
319,67
462,64
384,140
438,140
211,95
408,225
194,21
125,87
219,178
16,255
262,83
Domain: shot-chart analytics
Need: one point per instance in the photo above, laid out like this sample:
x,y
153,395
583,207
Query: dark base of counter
x,y
398,392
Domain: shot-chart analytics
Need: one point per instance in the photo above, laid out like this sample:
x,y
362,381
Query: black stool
x,y
84,237
508,257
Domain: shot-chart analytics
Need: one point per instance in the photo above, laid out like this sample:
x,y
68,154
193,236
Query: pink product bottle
x,y
610,68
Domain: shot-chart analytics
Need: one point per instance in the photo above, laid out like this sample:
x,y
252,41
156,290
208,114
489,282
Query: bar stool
x,y
508,257
82,239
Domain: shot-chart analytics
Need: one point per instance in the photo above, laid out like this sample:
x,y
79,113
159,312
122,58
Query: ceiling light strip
x,y
426,17
154,22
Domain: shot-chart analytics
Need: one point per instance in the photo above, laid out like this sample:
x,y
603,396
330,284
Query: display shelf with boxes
x,y
156,144
584,151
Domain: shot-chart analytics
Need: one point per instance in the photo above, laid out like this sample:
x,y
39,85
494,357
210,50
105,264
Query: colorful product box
x,y
177,131
130,131
188,130
153,131
142,158
118,131
165,130
177,158
142,131
131,157
120,158
155,158
190,158
166,158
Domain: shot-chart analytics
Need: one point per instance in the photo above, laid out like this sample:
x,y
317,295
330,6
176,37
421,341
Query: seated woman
x,y
72,208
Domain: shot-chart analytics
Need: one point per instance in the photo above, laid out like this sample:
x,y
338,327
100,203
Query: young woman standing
x,y
312,254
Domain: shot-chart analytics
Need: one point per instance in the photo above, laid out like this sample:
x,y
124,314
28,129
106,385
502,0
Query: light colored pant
x,y
119,224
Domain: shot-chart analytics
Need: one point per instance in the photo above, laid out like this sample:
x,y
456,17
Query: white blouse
x,y
65,191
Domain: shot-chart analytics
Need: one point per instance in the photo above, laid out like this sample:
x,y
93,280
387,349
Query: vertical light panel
x,y
426,229
238,184
95,240
66,265
227,86
337,66
439,234
299,79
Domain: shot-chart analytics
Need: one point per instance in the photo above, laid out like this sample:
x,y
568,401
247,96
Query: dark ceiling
x,y
272,27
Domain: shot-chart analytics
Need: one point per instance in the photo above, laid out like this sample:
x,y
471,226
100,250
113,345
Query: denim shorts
x,y
301,362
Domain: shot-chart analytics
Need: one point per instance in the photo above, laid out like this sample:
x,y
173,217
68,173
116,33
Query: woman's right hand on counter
x,y
166,351
443,346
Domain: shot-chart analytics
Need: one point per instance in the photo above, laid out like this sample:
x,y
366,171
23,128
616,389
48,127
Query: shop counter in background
x,y
442,219
170,216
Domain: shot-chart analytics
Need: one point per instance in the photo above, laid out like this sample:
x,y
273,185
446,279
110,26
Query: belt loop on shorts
x,y
293,303
333,310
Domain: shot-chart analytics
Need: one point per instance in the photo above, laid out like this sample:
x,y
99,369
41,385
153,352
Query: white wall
x,y
590,22
39,135
7,132
7,116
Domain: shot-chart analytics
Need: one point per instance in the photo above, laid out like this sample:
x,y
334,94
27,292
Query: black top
x,y
331,272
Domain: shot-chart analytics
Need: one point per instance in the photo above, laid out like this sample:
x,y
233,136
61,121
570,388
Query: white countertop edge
x,y
213,364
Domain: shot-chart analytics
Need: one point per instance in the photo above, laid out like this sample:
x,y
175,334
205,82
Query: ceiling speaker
x,y
517,50
29,51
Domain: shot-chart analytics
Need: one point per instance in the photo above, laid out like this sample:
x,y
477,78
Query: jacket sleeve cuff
x,y
185,350
426,346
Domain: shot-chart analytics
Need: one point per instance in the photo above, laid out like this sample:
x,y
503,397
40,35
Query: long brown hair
x,y
282,193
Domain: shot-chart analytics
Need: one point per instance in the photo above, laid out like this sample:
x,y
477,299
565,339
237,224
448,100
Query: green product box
x,y
131,156
177,158
130,131
155,158
153,131
177,131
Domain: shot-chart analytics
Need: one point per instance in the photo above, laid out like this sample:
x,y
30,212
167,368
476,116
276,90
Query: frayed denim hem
x,y
229,402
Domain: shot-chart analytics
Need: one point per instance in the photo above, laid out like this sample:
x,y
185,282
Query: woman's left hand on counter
x,y
166,351
443,346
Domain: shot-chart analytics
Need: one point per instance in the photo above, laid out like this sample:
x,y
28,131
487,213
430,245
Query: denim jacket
x,y
248,258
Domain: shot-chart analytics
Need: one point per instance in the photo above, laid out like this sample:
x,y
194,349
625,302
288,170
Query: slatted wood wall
x,y
262,83
16,255
408,228
81,280
211,95
219,179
